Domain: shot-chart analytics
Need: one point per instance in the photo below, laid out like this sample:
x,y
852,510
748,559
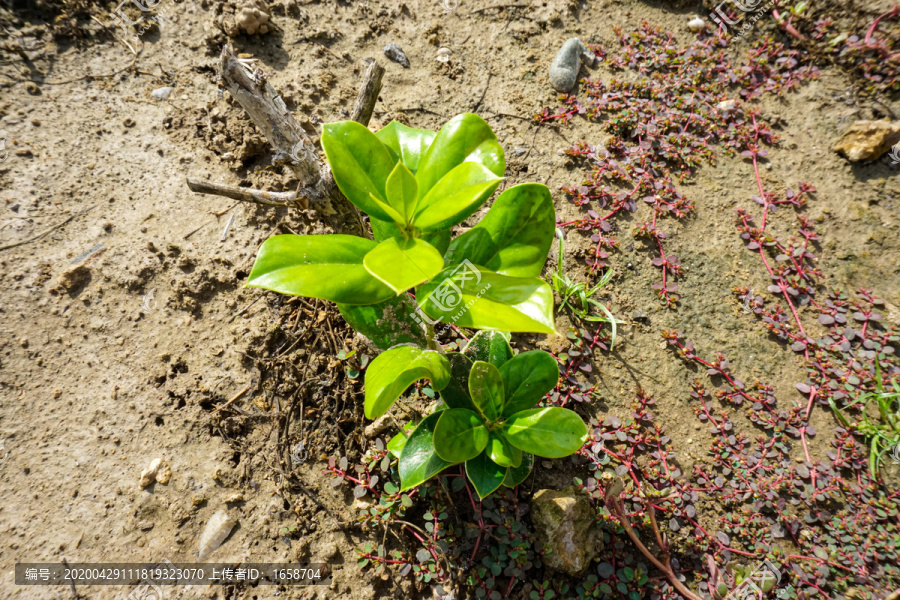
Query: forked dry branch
x,y
292,145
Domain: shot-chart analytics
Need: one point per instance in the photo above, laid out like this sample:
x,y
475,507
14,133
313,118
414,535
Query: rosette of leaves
x,y
487,418
416,185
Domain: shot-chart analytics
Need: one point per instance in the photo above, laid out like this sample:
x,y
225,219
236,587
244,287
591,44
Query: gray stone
x,y
565,66
396,54
564,523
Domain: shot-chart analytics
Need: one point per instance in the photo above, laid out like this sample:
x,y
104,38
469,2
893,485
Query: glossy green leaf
x,y
464,138
482,299
514,237
402,263
406,144
384,230
388,323
486,389
329,267
475,246
549,432
419,462
527,378
455,197
360,164
516,475
456,394
395,370
490,347
402,192
459,435
502,452
398,442
486,475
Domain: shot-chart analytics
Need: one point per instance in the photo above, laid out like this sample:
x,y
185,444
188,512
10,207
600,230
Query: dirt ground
x,y
131,361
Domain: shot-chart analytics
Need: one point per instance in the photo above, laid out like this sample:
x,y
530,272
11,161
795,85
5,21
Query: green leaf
x,y
526,379
475,246
398,442
459,435
486,389
490,347
418,461
405,143
468,296
514,237
329,267
402,192
388,323
456,394
502,452
549,432
516,475
464,138
395,370
454,198
486,476
360,164
384,230
403,263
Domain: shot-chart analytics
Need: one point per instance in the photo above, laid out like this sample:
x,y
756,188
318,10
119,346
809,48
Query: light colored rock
x,y
74,277
727,105
164,474
162,93
696,24
217,530
868,140
250,17
564,522
148,475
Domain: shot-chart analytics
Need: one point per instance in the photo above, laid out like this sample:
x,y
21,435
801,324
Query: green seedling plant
x,y
490,421
569,292
882,434
416,186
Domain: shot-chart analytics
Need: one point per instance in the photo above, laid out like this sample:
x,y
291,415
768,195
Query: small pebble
x,y
726,105
443,55
696,25
74,277
396,54
148,475
519,151
565,66
162,93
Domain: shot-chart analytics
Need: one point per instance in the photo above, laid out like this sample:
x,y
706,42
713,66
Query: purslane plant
x,y
416,185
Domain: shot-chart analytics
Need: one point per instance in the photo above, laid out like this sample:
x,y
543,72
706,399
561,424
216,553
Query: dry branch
x,y
292,145
285,199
